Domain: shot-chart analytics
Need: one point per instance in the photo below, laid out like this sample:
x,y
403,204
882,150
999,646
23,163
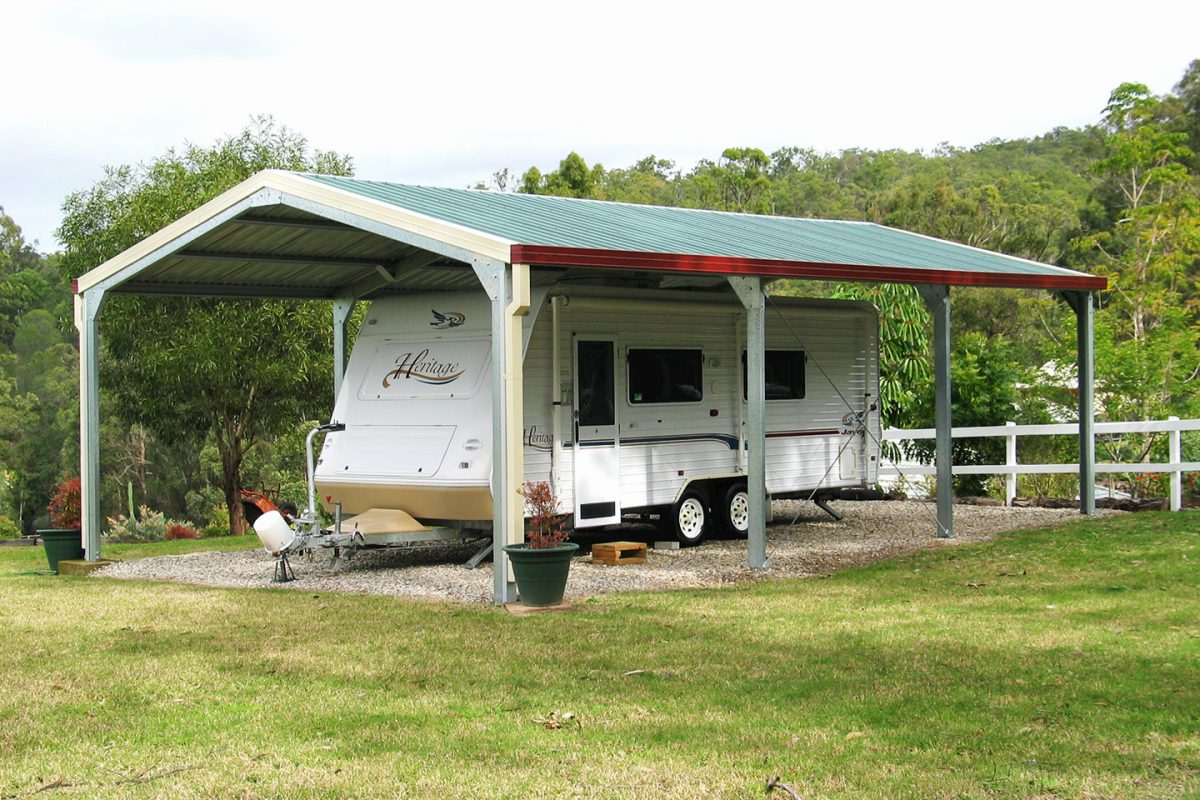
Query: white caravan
x,y
634,405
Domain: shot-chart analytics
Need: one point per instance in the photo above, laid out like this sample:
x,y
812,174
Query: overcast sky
x,y
447,93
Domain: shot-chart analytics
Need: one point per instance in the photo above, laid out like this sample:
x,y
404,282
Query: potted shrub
x,y
64,542
542,563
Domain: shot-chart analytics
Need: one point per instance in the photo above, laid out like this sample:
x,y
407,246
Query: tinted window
x,y
785,374
665,376
596,383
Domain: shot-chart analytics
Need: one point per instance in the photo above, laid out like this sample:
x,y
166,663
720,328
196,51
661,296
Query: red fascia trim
x,y
542,255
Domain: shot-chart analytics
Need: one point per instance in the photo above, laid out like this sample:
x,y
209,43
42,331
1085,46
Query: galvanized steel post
x,y
750,291
937,298
87,314
1081,303
343,307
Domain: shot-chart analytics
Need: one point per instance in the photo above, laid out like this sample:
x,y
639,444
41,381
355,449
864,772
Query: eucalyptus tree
x,y
1149,357
235,371
1147,340
25,283
573,178
37,377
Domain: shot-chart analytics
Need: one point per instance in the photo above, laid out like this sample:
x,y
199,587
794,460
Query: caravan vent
x,y
597,510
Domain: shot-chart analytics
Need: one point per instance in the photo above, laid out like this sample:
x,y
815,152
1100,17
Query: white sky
x,y
449,92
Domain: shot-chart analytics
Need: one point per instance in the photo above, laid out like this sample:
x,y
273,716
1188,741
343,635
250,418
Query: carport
x,y
313,237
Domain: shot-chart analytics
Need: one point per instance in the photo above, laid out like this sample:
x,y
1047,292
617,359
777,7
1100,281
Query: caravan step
x,y
614,554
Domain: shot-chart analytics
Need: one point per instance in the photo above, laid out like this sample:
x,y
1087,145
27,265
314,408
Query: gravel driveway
x,y
813,545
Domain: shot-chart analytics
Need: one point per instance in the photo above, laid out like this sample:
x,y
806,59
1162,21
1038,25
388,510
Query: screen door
x,y
597,457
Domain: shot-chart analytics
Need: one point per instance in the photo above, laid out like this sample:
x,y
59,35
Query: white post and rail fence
x,y
1172,426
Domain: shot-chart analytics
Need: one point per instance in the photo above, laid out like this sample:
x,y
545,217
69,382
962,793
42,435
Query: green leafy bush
x,y
983,392
219,524
9,529
202,505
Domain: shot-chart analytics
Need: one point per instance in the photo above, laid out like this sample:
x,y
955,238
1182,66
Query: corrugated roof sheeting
x,y
297,247
250,254
596,225
258,233
250,271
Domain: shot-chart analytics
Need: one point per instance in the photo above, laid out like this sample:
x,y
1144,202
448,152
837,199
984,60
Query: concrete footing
x,y
520,609
81,567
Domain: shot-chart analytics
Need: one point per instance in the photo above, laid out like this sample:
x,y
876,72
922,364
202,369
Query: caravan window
x,y
785,374
665,376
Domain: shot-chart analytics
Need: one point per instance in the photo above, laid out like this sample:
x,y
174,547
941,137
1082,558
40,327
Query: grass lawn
x,y
1059,663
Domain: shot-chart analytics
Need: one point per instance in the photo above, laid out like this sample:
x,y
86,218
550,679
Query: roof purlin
x,y
541,255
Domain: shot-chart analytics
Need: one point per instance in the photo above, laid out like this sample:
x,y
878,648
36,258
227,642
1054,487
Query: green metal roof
x,y
280,234
573,232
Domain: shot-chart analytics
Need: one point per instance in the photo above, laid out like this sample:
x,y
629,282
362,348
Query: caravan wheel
x,y
691,518
735,512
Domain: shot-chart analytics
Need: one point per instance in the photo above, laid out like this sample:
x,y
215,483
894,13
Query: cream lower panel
x,y
422,502
653,474
803,463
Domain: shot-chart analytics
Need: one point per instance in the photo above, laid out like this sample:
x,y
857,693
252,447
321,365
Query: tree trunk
x,y
233,502
232,450
140,471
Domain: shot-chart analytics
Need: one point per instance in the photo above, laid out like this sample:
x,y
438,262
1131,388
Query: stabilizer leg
x,y
283,570
822,503
474,561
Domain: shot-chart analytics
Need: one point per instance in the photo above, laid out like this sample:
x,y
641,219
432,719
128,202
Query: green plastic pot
x,y
62,545
541,574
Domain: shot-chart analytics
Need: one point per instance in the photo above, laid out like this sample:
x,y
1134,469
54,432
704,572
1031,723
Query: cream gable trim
x,y
450,233
297,185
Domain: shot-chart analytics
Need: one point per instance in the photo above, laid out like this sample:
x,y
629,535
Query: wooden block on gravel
x,y
615,554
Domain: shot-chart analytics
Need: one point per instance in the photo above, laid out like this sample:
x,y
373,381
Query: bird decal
x,y
450,319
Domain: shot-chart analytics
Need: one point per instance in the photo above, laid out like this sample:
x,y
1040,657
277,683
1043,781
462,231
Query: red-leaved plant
x,y
179,531
547,528
66,506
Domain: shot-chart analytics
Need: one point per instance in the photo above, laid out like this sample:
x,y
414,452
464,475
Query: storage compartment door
x,y
385,451
597,455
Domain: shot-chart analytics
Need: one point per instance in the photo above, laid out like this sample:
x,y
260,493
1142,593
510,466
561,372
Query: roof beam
x,y
385,276
203,255
283,222
256,291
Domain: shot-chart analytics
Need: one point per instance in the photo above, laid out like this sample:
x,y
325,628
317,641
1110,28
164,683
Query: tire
x,y
735,511
689,518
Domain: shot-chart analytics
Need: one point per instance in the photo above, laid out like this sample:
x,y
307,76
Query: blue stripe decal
x,y
724,438
728,440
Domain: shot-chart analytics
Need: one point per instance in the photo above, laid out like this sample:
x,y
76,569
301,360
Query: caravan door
x,y
597,456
